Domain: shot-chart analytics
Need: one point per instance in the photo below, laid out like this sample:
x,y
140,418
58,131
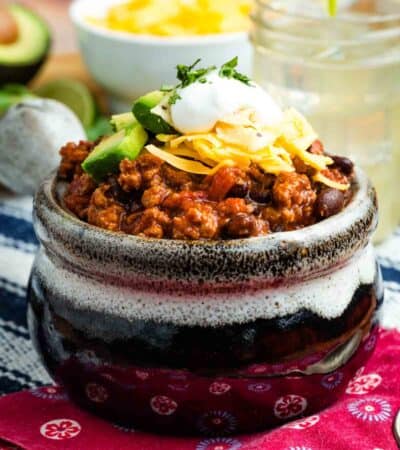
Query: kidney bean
x,y
329,202
241,225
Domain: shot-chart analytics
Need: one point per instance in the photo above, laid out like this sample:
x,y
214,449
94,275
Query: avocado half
x,y
20,60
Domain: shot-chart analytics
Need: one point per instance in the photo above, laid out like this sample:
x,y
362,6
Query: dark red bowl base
x,y
180,402
128,384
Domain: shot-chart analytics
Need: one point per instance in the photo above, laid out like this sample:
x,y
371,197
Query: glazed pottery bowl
x,y
204,337
129,65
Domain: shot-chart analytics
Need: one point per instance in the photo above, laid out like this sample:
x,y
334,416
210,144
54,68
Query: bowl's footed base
x,y
178,402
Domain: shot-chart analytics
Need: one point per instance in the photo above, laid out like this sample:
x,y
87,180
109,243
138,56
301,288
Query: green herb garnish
x,y
174,98
188,75
228,70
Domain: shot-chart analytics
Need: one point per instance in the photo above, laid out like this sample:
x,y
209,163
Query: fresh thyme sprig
x,y
188,75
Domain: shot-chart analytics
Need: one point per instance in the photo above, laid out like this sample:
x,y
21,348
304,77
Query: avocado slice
x,y
107,155
121,121
21,59
152,122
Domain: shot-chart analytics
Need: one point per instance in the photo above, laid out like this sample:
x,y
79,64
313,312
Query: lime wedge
x,y
73,94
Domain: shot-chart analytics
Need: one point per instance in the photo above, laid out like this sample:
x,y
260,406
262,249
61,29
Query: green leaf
x,y
11,94
16,89
228,70
187,75
101,127
174,98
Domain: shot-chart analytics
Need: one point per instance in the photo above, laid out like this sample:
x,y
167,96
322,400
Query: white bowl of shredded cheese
x,y
141,57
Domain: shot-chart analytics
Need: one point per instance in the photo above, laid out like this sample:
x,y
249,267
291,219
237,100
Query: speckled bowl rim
x,y
362,186
301,251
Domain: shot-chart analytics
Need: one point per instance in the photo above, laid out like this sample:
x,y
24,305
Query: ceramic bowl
x,y
204,337
129,65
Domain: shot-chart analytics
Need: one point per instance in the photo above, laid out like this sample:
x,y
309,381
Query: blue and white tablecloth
x,y
19,365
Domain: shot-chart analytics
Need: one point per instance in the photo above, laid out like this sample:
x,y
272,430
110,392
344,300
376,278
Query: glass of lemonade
x,y
344,74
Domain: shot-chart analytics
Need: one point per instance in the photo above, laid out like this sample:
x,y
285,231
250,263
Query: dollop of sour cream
x,y
202,105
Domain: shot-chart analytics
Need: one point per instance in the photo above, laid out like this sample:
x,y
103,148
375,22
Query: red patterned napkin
x,y
44,419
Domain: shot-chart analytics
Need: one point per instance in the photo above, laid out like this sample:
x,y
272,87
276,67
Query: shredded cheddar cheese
x,y
186,164
241,140
320,178
177,17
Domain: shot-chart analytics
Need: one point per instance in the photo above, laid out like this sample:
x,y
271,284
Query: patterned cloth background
x,y
19,365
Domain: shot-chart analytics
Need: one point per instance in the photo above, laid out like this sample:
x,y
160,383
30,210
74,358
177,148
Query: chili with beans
x,y
150,198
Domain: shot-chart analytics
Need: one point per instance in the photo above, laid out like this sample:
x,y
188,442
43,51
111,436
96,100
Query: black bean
x,y
240,190
329,202
261,196
346,165
134,206
116,191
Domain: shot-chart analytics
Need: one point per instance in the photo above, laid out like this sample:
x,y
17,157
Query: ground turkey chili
x,y
148,197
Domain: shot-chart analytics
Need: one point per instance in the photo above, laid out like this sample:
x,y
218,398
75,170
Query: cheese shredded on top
x,y
320,178
240,141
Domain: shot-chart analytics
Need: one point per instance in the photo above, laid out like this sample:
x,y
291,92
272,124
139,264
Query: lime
x,y
73,94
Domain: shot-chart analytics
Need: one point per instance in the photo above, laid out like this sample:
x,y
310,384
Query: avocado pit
x,y
8,27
